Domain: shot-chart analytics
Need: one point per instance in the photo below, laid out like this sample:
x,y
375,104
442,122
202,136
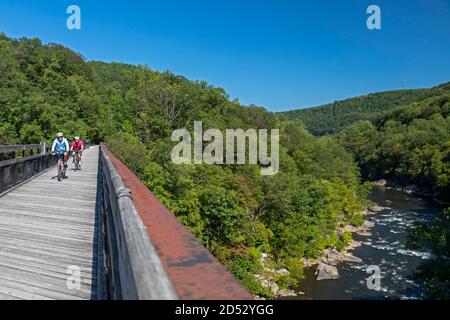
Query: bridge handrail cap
x,y
123,192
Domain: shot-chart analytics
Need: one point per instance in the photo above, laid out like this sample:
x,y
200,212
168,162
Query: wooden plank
x,y
49,257
72,240
48,226
43,267
83,254
30,288
11,148
73,200
43,281
9,162
73,219
16,148
8,297
46,209
67,244
19,294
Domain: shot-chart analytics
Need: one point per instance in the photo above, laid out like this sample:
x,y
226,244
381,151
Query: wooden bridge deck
x,y
48,231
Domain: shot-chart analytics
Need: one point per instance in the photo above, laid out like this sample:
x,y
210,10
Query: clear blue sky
x,y
278,54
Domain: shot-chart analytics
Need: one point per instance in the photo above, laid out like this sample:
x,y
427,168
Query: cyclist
x,y
77,148
61,148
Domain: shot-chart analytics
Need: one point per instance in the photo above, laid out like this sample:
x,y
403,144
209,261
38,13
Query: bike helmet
x,y
59,134
77,138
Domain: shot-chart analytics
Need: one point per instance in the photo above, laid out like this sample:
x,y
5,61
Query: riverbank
x,y
326,265
381,242
384,248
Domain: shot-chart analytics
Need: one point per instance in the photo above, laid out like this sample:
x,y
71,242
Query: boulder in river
x,y
331,262
283,272
306,263
353,245
264,257
380,183
367,225
351,258
274,288
376,208
287,293
332,254
326,272
349,228
411,189
271,285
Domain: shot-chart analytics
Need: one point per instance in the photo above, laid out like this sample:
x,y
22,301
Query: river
x,y
385,248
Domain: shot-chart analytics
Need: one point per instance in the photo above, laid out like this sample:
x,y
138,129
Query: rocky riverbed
x,y
383,245
326,266
379,242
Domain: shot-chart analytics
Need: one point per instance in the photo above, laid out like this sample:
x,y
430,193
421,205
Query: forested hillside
x,y
402,136
233,210
333,117
407,146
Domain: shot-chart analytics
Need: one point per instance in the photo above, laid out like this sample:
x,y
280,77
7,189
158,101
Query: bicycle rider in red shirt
x,y
77,148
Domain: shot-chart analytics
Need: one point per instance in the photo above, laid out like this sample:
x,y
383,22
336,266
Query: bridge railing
x,y
18,163
132,266
136,223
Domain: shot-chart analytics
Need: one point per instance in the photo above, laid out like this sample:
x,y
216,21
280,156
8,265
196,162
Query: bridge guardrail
x,y
19,163
133,268
194,272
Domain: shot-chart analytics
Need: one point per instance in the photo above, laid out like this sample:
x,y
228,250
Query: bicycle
x,y
61,165
77,159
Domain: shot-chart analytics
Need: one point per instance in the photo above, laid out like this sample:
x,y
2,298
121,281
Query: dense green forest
x,y
401,136
406,146
333,117
233,210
